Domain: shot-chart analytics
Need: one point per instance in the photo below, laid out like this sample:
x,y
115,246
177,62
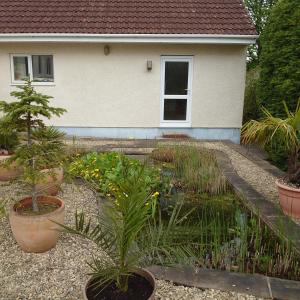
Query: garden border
x,y
253,284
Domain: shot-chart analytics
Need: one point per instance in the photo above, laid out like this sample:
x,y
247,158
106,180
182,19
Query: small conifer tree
x,y
27,116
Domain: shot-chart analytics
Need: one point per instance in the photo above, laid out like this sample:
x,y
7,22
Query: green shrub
x,y
104,170
9,139
277,154
251,105
280,58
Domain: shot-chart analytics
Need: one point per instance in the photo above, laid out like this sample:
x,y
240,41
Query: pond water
x,y
224,233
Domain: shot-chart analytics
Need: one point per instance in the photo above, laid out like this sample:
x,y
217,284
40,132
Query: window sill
x,y
34,83
174,124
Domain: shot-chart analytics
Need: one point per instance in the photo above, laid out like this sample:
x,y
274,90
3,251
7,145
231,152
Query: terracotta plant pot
x,y
289,199
142,272
36,233
51,182
9,173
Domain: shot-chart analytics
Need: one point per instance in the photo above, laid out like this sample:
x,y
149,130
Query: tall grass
x,y
236,241
195,167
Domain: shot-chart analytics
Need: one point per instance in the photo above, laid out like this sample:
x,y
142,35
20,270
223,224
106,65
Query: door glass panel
x,y
175,109
176,77
20,67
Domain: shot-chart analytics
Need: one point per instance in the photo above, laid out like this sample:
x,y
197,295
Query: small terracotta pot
x,y
51,181
36,233
289,199
8,173
142,272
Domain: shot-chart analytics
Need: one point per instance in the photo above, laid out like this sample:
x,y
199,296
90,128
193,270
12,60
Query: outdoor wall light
x,y
149,65
106,50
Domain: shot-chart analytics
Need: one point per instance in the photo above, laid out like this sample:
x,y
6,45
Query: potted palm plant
x,y
39,156
286,130
132,233
120,223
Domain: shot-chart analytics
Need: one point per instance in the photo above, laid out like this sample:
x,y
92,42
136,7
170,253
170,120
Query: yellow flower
x,y
155,194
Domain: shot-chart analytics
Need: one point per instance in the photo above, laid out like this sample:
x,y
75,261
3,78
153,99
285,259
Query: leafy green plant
x,y
42,146
286,130
104,170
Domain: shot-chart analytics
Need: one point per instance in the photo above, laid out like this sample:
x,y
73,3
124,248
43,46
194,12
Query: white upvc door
x,y
176,91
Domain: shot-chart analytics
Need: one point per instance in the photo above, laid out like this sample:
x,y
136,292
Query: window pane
x,y
175,109
42,68
20,67
176,78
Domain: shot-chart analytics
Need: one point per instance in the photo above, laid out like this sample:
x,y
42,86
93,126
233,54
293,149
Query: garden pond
x,y
209,223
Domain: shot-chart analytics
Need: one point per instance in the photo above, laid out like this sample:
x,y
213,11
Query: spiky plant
x,y
125,232
27,116
286,130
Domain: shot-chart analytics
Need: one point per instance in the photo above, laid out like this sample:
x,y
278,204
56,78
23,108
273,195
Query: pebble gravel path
x,y
261,180
60,273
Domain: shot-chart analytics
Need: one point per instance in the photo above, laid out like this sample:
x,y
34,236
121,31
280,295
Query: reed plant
x,y
234,241
198,170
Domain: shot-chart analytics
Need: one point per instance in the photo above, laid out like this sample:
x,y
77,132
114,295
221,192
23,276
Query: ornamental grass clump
x,y
198,170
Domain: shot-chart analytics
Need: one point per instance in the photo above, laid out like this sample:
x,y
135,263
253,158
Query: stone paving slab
x,y
253,284
284,289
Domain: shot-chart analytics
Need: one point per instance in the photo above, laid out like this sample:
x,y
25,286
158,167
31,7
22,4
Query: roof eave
x,y
130,38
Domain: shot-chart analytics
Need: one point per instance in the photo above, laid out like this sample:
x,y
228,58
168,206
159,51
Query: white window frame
x,y
29,59
176,123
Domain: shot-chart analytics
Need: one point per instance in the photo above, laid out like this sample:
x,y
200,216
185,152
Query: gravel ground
x,y
60,273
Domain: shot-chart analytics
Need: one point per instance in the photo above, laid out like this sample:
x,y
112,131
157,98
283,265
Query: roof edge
x,y
129,38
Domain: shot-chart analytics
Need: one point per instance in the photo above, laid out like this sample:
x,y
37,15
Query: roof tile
x,y
125,16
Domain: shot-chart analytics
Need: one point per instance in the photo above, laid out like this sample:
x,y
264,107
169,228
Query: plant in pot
x,y
286,130
30,218
8,142
122,232
26,116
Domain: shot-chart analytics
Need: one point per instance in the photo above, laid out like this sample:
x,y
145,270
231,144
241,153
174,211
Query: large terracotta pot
x,y
8,173
51,181
36,233
289,199
142,272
